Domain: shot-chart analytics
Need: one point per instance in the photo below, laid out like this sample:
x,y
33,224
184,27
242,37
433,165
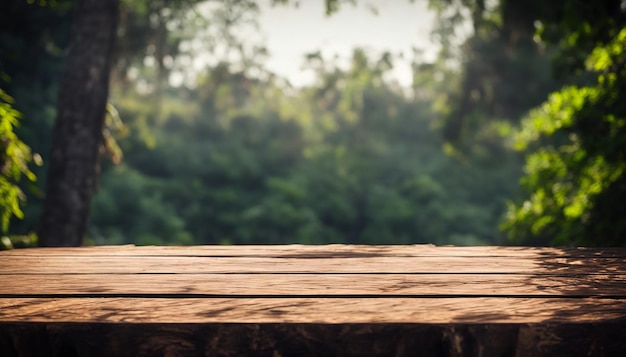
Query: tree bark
x,y
78,129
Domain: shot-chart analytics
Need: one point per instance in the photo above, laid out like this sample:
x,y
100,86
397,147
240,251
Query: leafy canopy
x,y
14,159
580,160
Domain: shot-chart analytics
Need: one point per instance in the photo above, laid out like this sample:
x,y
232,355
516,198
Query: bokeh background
x,y
466,122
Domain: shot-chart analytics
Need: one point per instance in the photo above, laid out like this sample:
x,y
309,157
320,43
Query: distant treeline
x,y
236,155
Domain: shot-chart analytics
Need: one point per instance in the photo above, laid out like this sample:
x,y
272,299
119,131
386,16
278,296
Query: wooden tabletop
x,y
313,300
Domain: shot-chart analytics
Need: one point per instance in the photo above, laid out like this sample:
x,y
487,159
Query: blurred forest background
x,y
514,133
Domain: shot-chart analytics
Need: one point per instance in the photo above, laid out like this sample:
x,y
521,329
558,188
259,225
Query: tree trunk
x,y
78,128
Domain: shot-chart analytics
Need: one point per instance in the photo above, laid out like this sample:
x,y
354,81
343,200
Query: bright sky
x,y
291,32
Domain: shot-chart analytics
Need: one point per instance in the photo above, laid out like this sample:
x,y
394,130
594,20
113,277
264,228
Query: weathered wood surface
x,y
332,310
312,300
164,264
327,285
328,251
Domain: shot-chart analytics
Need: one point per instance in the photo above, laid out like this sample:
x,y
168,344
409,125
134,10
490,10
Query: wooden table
x,y
330,300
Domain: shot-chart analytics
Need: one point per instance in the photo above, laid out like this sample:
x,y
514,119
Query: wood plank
x,y
321,251
314,284
313,300
313,310
240,265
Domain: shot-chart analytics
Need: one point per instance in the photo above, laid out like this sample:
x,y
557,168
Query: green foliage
x,y
235,155
581,162
350,159
495,64
18,241
33,36
575,166
14,159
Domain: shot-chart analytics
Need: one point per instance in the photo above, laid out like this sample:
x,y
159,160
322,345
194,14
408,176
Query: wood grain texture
x,y
355,265
313,310
334,300
324,251
373,285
